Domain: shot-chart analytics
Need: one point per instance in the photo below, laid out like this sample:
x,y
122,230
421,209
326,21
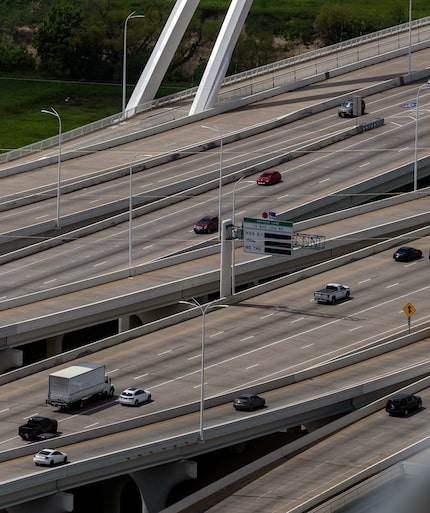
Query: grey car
x,y
249,402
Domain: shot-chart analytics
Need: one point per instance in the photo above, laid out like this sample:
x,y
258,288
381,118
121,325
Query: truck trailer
x,y
78,383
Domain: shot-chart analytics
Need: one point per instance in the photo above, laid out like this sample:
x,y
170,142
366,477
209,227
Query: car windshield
x,y
204,221
127,394
45,452
347,104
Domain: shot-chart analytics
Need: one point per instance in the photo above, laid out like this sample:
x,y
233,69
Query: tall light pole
x,y
124,59
215,128
426,84
54,113
410,36
203,309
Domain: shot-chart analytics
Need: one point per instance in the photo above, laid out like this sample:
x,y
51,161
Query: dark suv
x,y
402,404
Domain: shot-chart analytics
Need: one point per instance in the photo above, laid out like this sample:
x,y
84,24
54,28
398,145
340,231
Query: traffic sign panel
x,y
267,236
409,309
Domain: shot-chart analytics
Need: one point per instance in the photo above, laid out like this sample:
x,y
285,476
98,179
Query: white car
x,y
49,457
133,396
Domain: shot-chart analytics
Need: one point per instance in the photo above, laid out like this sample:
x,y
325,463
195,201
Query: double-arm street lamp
x,y
53,112
426,84
203,309
216,129
124,59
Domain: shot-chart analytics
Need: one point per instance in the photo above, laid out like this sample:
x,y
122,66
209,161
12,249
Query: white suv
x,y
133,396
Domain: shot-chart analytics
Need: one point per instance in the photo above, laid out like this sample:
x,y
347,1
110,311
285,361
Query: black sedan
x,y
406,254
249,402
403,404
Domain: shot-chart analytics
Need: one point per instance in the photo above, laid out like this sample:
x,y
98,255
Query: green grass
x,y
77,104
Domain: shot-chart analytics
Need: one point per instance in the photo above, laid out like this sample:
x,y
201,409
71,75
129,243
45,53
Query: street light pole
x,y
215,128
203,309
124,59
426,84
410,36
54,113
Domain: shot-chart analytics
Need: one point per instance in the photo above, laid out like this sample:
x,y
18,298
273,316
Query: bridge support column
x,y
155,484
54,345
123,323
10,359
225,288
58,503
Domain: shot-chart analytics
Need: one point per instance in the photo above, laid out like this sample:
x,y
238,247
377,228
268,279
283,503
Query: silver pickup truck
x,y
332,293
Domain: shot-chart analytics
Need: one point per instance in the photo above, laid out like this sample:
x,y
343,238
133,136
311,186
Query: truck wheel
x,y
333,300
81,403
347,294
111,391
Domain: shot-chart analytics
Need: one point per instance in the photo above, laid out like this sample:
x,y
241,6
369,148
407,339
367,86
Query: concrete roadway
x,y
303,477
170,229
276,334
172,140
139,283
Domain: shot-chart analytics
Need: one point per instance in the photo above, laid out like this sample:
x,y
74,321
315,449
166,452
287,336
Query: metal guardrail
x,y
421,33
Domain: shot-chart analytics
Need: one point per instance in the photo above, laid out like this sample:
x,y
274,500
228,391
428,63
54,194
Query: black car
x,y
249,402
206,224
406,254
403,404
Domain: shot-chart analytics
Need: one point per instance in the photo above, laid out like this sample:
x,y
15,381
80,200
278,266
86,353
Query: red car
x,y
206,224
269,178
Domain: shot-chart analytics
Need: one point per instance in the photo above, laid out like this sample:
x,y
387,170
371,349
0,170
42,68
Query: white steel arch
x,y
156,67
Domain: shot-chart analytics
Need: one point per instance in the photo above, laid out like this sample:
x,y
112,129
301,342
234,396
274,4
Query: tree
x,y
335,23
52,40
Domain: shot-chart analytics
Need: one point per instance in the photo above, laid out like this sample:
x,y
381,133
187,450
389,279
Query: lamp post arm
x,y
54,113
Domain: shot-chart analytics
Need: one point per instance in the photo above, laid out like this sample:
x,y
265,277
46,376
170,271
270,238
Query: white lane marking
x,y
297,320
252,366
265,316
141,376
364,281
91,425
392,285
165,352
364,165
356,328
195,356
246,338
100,263
216,334
306,346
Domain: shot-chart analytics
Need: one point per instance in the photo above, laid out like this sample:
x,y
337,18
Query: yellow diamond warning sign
x,y
409,309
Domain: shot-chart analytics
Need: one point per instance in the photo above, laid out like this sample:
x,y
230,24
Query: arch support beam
x,y
155,69
220,57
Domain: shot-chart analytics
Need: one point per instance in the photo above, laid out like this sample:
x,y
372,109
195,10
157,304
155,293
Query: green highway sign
x,y
267,236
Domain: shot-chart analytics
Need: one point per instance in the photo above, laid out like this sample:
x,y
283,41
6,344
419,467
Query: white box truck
x,y
74,385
